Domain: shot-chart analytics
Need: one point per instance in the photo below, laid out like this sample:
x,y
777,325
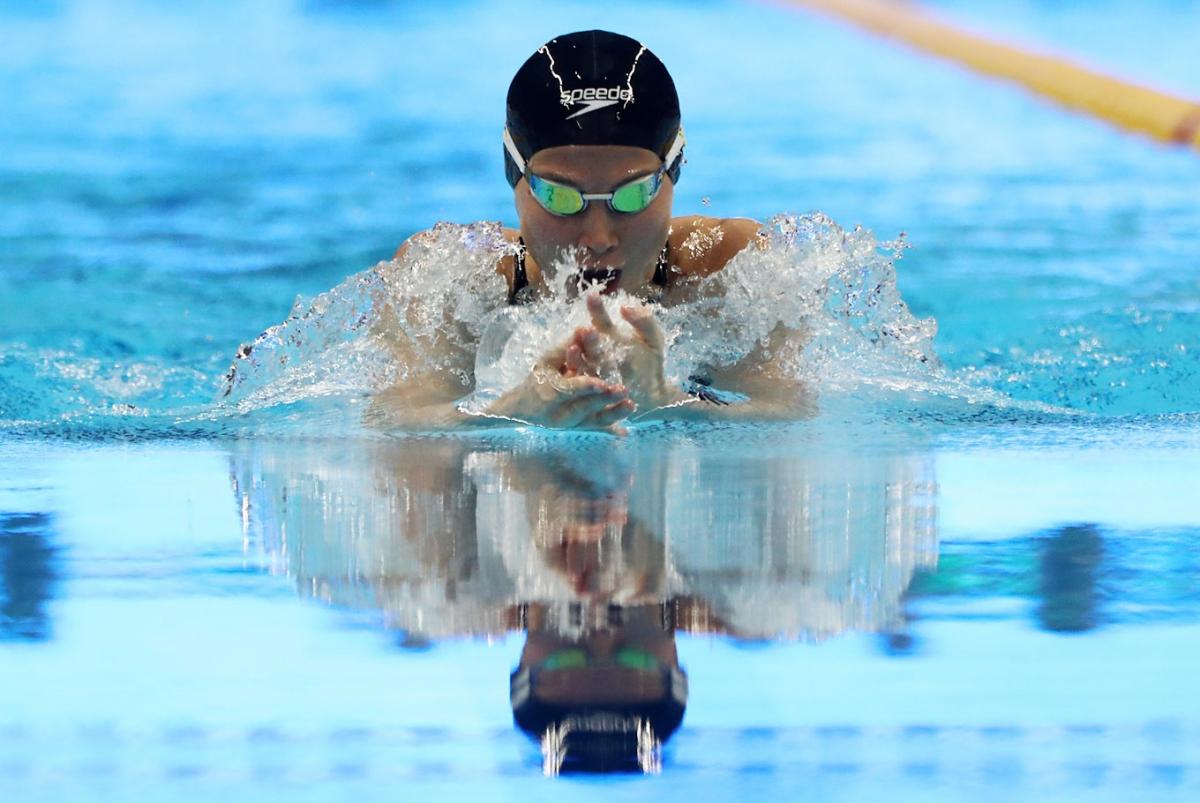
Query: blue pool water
x,y
962,580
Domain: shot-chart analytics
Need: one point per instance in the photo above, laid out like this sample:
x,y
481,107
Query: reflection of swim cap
x,y
599,736
592,88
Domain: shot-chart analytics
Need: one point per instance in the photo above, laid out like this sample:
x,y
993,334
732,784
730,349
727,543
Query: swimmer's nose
x,y
598,235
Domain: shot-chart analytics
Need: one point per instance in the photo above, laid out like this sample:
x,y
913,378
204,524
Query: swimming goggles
x,y
564,200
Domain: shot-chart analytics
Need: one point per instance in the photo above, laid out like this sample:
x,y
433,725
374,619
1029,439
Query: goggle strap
x,y
673,154
513,153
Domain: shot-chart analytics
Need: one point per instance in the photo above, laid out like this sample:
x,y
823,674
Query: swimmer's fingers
x,y
573,363
588,340
585,342
565,388
579,398
599,412
539,398
597,353
645,326
554,359
600,317
607,417
566,358
568,389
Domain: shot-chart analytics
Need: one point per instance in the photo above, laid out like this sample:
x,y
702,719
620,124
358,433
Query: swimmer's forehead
x,y
583,164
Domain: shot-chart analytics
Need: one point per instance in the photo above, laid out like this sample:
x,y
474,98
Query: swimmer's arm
x,y
402,251
759,387
434,399
504,266
771,394
759,399
430,403
388,329
574,402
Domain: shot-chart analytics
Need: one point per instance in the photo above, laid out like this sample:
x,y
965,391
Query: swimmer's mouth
x,y
606,279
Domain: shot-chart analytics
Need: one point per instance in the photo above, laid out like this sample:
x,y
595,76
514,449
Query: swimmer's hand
x,y
560,393
641,356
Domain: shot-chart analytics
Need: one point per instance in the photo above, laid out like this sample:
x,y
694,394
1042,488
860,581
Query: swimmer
x,y
593,147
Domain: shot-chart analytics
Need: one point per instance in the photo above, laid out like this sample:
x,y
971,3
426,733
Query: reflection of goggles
x,y
565,200
626,657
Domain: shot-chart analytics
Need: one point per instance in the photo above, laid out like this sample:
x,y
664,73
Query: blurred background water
x,y
173,176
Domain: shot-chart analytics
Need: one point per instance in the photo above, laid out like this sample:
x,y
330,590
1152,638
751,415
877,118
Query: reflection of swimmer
x,y
593,147
449,540
598,556
446,539
568,534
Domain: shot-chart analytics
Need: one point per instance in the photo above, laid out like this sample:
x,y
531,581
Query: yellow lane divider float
x,y
1165,117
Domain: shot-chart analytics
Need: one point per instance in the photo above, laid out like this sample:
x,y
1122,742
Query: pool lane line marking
x,y
1165,117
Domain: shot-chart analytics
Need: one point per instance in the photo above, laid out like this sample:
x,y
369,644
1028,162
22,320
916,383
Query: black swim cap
x,y
592,88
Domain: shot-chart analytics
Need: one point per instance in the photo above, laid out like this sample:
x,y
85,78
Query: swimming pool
x,y
933,593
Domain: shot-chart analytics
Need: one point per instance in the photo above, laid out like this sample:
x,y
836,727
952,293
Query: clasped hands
x,y
597,378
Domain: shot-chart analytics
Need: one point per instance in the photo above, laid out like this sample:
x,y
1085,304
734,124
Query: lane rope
x,y
1161,115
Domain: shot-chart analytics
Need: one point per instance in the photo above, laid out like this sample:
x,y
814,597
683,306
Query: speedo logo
x,y
594,97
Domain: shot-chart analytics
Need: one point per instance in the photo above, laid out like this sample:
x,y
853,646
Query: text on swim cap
x,y
596,93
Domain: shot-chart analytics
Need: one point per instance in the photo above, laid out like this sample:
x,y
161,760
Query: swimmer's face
x,y
626,245
579,535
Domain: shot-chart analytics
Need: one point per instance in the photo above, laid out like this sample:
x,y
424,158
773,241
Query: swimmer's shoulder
x,y
505,266
700,245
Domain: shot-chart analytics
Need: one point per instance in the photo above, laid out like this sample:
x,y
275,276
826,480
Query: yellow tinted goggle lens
x,y
557,198
635,196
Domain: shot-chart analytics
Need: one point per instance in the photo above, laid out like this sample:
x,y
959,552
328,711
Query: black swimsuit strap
x,y
663,267
520,280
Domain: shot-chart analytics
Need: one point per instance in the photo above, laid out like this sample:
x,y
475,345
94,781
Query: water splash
x,y
811,276
817,302
401,319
